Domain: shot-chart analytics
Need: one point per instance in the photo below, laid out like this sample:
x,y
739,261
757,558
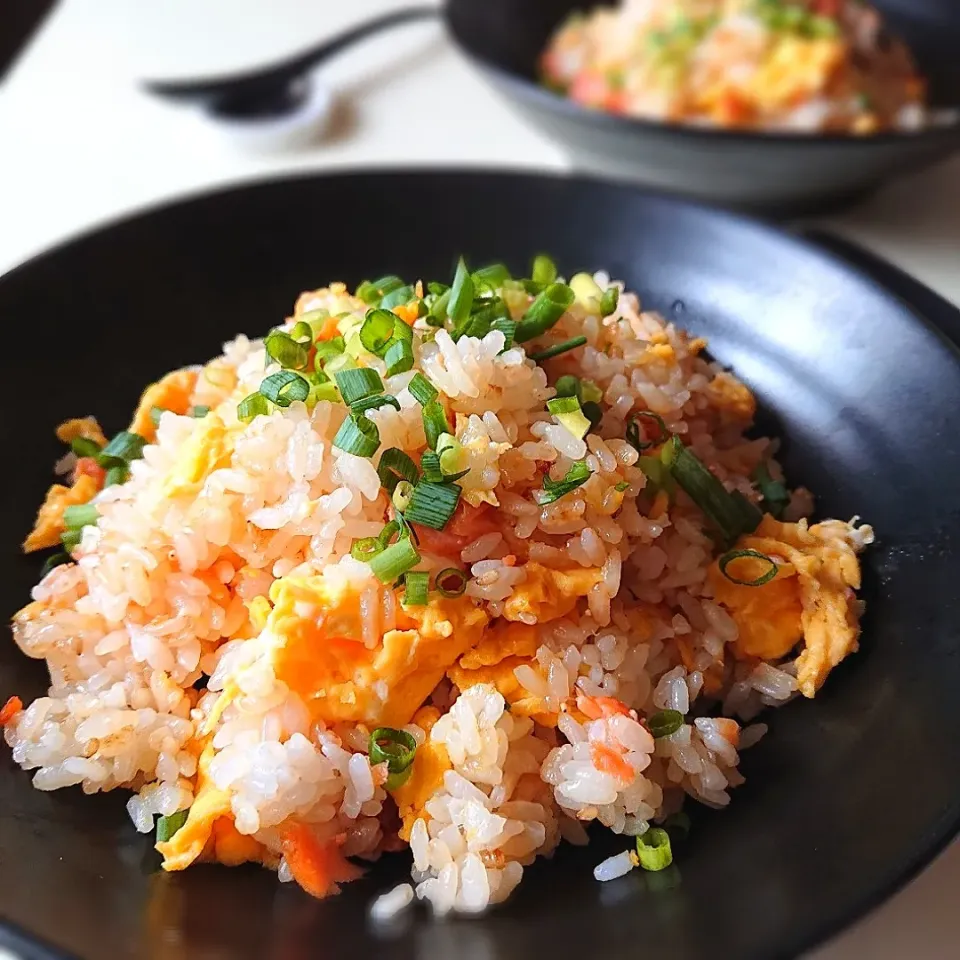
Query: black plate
x,y
846,799
776,173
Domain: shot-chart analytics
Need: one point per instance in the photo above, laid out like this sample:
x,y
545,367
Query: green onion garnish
x,y
118,473
395,748
325,350
377,331
371,291
399,356
394,466
544,270
254,405
732,555
653,849
609,301
622,486
199,411
125,446
71,539
394,527
576,476
155,414
430,465
395,560
491,278
365,549
775,494
358,435
633,430
557,349
168,826
568,386
79,516
451,582
416,587
544,312
302,332
286,351
400,498
732,515
398,297
434,422
421,389
593,412
432,504
461,295
508,328
85,447
284,387
664,723
358,383
372,403
568,413
54,560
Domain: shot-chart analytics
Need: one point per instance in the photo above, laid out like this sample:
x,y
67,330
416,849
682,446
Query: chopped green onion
x,y
775,494
398,297
421,389
325,350
71,539
395,465
315,320
544,312
587,291
731,515
358,435
199,411
451,582
434,422
461,295
168,826
79,516
302,332
678,823
54,560
118,473
365,549
568,413
430,465
254,405
590,391
284,387
286,351
609,301
557,349
394,560
432,504
155,414
371,292
437,289
438,309
396,748
568,386
490,278
416,587
399,356
125,446
402,493
633,431
622,486
85,447
653,849
358,383
576,476
387,533
449,450
593,412
768,574
374,402
377,331
508,328
544,270
664,723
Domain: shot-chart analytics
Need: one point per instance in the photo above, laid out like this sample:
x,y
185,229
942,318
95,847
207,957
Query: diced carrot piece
x,y
88,467
330,329
317,866
9,710
407,312
608,760
597,707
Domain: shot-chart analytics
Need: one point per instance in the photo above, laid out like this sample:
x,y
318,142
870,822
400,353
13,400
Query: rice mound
x,y
215,648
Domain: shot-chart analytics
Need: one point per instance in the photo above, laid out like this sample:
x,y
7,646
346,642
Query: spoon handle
x,y
292,67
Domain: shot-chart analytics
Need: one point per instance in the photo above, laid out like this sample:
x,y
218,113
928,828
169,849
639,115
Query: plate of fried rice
x,y
466,580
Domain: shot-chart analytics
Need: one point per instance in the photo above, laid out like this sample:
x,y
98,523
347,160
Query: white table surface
x,y
80,144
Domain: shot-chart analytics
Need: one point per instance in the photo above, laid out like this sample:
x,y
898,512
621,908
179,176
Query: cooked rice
x,y
166,655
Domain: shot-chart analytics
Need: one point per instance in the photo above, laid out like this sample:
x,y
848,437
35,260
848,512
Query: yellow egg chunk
x,y
811,598
208,448
171,392
548,594
796,69
49,523
317,626
86,427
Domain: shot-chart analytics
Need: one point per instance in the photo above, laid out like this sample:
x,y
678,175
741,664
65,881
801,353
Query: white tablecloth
x,y
80,144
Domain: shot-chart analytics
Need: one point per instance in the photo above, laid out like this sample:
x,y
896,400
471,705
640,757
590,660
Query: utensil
x,y
857,380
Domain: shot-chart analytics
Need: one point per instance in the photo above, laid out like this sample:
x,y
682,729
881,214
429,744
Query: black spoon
x,y
282,87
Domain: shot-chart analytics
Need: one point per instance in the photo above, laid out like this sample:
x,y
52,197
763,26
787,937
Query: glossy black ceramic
x,y
846,798
779,174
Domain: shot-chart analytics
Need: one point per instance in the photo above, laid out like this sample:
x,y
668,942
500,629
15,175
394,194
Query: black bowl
x,y
774,173
846,798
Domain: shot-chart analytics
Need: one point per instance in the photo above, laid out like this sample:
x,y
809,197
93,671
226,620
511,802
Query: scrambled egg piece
x,y
49,523
209,832
549,594
317,629
796,69
429,766
86,427
171,392
811,598
733,399
208,448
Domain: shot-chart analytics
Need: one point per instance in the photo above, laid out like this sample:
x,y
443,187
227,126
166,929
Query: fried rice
x,y
580,638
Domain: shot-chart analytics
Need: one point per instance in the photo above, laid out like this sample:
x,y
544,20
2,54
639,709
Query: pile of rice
x,y
164,639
